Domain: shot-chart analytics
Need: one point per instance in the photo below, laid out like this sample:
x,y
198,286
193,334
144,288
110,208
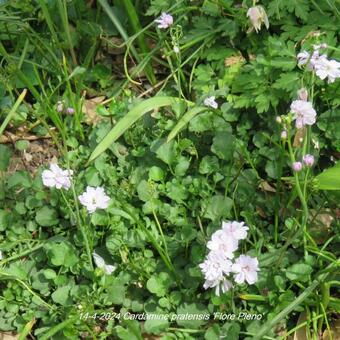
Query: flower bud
x,y
303,94
60,106
284,134
176,49
297,166
278,120
308,160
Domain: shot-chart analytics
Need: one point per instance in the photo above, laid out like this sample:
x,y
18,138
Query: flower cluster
x,y
320,64
302,112
307,160
61,108
92,199
218,264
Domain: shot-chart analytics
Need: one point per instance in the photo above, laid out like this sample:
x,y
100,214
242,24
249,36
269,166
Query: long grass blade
x,y
136,113
184,121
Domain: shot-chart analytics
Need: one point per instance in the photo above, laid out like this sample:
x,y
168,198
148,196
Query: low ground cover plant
x,y
169,169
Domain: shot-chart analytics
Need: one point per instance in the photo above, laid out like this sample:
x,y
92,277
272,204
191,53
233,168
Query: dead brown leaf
x,y
89,108
299,137
301,333
320,223
334,331
8,336
265,186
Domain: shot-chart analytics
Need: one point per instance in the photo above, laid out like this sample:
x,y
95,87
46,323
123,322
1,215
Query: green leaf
x,y
329,179
156,326
196,309
223,145
46,217
218,207
132,116
61,254
167,153
116,293
19,178
130,332
299,272
159,284
61,296
5,156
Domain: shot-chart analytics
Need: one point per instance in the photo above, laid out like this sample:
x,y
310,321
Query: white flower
x,y
222,242
210,101
56,177
257,15
165,20
304,114
222,284
325,68
215,265
94,198
100,263
245,268
235,230
1,256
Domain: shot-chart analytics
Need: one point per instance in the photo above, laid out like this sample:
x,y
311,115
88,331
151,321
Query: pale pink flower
x,y
297,166
56,177
257,15
246,268
165,21
215,266
325,68
303,58
235,230
223,243
210,101
100,263
94,198
70,110
303,113
308,160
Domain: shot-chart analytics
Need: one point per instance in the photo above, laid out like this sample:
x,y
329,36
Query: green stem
x,y
300,193
24,253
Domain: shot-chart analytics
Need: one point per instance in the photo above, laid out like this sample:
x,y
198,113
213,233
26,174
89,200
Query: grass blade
x,y
271,323
136,26
26,330
58,328
184,121
12,112
132,116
